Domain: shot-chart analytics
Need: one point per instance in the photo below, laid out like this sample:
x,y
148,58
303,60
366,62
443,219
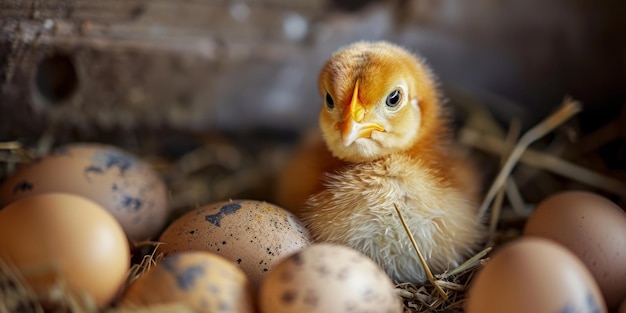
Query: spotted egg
x,y
117,180
253,234
328,278
198,280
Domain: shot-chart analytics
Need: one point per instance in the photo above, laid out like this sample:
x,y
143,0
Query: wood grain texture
x,y
207,65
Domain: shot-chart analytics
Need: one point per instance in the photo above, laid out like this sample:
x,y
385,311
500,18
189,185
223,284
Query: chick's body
x,y
388,144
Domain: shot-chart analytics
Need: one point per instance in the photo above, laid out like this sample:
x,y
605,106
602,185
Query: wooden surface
x,y
86,66
136,63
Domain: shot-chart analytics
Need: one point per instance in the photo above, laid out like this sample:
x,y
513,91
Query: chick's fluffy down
x,y
346,190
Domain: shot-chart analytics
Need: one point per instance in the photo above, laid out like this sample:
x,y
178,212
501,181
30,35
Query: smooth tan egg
x,y
120,182
594,229
64,237
253,234
328,278
534,275
203,281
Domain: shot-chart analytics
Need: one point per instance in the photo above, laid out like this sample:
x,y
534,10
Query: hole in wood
x,y
56,79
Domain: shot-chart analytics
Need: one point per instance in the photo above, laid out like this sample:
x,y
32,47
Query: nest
x,y
221,168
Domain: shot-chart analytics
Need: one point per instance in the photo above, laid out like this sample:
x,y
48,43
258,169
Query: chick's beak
x,y
352,126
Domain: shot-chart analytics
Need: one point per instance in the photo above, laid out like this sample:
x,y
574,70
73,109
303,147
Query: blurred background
x,y
228,80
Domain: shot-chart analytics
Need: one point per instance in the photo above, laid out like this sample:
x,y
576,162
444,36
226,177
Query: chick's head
x,y
379,99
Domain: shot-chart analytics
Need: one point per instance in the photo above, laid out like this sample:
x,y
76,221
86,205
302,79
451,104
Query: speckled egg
x,y
120,182
328,278
202,281
253,234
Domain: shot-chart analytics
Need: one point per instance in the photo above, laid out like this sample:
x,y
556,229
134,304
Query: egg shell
x,y
120,182
253,234
534,275
328,278
63,237
594,229
203,281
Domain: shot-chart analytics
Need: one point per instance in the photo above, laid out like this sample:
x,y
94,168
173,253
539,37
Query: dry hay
x,y
192,184
513,151
16,296
446,292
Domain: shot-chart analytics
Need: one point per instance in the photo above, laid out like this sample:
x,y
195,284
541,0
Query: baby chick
x,y
386,142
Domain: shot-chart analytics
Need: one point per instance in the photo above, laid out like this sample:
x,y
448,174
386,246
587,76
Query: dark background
x,y
97,66
163,77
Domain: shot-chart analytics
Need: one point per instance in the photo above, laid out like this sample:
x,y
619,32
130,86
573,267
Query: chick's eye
x,y
393,99
329,101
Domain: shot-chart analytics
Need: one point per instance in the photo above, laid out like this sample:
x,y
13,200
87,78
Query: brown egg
x,y
64,237
203,281
594,229
328,278
254,234
534,275
115,179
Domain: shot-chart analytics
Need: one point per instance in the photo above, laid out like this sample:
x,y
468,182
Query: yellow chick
x,y
386,141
